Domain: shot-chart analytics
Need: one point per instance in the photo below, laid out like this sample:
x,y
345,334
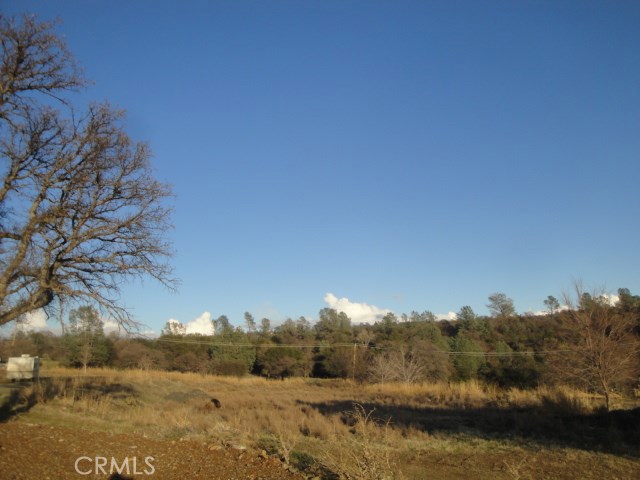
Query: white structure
x,y
23,368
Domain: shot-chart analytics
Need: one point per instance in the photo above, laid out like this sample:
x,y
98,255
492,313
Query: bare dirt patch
x,y
31,451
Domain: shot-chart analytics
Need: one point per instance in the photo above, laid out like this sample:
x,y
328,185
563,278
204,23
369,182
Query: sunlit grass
x,y
302,420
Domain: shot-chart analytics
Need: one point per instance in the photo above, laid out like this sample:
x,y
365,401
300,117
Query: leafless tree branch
x,y
604,352
80,210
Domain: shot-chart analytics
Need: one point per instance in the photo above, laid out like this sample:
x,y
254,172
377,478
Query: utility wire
x,y
360,345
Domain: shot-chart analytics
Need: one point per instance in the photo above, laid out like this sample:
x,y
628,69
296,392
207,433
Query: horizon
x,y
374,157
203,325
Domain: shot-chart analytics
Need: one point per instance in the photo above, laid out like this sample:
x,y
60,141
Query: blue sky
x,y
406,155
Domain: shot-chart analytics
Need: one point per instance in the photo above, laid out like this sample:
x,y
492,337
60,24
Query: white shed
x,y
23,368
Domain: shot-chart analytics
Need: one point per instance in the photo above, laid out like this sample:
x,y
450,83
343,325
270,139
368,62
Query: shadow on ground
x,y
616,432
12,400
20,397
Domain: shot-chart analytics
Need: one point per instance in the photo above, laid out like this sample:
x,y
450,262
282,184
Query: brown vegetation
x,y
605,351
393,430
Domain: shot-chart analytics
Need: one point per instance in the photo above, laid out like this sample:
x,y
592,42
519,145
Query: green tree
x,y
500,305
470,322
466,314
420,332
426,316
552,304
282,362
222,326
336,361
173,327
86,341
333,325
250,322
265,327
627,302
229,353
498,367
287,331
387,328
303,328
467,357
389,320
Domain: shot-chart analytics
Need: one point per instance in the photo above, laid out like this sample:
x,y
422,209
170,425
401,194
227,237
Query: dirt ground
x,y
39,452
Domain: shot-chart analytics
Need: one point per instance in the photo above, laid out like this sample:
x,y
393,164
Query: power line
x,y
267,345
360,345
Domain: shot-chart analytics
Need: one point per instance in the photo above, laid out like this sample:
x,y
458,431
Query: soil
x,y
39,452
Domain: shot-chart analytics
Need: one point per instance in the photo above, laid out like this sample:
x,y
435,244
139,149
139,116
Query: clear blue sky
x,y
410,155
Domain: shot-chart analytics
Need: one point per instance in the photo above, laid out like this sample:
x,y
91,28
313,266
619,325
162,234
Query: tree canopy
x,y
80,209
500,305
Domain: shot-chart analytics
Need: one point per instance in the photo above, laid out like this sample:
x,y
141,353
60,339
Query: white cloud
x,y
33,321
540,313
446,316
612,299
200,325
357,312
110,325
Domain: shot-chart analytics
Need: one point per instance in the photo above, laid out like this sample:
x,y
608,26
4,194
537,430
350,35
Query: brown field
x,y
341,429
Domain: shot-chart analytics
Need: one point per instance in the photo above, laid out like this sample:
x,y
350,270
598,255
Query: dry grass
x,y
353,430
474,394
369,452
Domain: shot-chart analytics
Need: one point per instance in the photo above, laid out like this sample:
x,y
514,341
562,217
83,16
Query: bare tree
x,y
409,367
34,61
80,210
399,366
604,353
381,369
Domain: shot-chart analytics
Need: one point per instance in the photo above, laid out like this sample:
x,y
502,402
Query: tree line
x,y
588,343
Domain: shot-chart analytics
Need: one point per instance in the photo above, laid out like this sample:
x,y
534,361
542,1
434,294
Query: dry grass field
x,y
340,429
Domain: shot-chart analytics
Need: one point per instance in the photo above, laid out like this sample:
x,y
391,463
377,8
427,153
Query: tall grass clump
x,y
367,454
